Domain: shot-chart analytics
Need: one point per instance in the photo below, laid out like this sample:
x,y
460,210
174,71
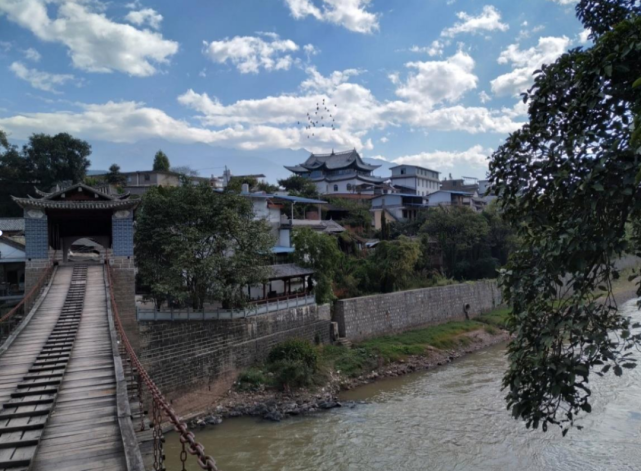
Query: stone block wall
x,y
370,316
36,233
124,279
182,355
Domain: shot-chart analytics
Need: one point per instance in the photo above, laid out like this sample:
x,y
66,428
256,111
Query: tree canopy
x,y
114,176
45,160
320,252
299,186
161,162
568,182
194,245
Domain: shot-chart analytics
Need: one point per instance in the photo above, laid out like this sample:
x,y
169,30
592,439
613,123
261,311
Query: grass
x,y
366,356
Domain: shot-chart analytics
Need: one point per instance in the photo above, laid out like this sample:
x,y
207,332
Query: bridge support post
x,y
121,258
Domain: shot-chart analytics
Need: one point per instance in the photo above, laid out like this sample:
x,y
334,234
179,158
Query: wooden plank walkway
x,y
83,432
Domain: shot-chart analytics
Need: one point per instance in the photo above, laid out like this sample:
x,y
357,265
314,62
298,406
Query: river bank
x,y
344,368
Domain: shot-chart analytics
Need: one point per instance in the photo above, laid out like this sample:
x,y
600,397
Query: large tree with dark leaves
x,y
569,182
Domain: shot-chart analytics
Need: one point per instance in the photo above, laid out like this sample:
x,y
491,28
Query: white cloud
x,y
38,79
32,55
132,121
525,62
434,49
565,2
488,20
270,122
351,14
358,109
484,97
584,36
384,139
250,53
436,81
475,156
145,16
310,50
95,43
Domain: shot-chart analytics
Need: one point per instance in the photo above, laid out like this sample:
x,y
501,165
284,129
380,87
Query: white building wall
x,y
10,254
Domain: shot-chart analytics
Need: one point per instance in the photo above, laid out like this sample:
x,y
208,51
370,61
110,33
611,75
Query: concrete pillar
x,y
121,259
36,247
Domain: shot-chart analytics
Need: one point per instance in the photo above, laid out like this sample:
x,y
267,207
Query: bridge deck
x,y
82,430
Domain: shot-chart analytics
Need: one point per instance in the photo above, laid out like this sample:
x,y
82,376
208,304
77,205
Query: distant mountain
x,y
208,160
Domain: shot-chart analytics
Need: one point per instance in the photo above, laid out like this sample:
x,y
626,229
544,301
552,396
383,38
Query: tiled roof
x,y
333,161
288,270
12,224
48,204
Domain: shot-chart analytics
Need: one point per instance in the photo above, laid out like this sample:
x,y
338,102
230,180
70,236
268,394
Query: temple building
x,y
341,173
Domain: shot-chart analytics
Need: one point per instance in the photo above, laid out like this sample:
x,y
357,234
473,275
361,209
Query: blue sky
x,y
428,82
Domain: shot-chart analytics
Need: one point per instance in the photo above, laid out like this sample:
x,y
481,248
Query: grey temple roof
x,y
333,161
12,224
288,270
81,196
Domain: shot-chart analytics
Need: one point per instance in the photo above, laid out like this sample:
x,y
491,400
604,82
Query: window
x,y
128,178
147,177
335,188
402,171
349,187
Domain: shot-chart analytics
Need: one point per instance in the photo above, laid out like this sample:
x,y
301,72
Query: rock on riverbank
x,y
275,406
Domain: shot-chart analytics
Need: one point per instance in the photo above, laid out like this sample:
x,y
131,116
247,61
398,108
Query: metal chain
x,y
158,400
183,457
154,431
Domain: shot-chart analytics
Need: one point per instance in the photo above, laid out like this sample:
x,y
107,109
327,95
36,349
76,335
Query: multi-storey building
x,y
414,179
340,173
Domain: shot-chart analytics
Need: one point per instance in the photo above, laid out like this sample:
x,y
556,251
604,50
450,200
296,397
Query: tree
x,y
194,245
385,227
161,162
299,186
568,182
114,176
53,159
394,263
235,184
461,234
185,170
320,252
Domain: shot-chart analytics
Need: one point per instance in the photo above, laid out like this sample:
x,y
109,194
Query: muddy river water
x,y
451,418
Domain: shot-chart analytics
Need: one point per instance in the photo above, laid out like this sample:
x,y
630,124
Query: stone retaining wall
x,y
183,355
370,316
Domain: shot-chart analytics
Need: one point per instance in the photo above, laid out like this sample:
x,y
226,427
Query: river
x,y
450,418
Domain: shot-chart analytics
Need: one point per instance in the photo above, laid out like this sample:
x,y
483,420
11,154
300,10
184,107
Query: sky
x,y
427,82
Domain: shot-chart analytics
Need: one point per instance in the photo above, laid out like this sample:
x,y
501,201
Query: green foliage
x,y
385,227
291,374
320,252
359,215
293,363
461,235
185,170
45,160
394,263
294,350
299,186
92,181
194,245
161,162
252,379
114,176
568,182
235,184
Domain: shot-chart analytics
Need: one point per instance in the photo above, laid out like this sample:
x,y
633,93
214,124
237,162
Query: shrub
x,y
295,350
292,373
251,379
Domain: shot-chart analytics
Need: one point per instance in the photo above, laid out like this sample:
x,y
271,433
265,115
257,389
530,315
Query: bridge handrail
x,y
34,292
187,437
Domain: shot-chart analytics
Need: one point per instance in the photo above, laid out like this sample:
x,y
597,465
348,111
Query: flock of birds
x,y
322,117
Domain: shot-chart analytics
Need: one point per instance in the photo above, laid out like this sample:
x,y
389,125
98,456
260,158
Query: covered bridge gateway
x,y
53,222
